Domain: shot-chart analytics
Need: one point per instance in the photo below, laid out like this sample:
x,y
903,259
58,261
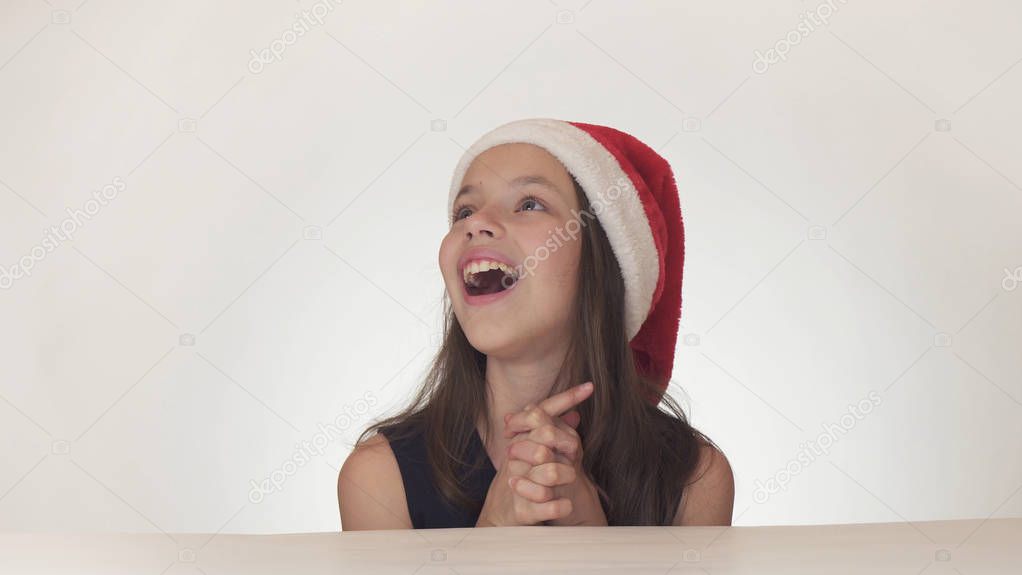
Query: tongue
x,y
489,282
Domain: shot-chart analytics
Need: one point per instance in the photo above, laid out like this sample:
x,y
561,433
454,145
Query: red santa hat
x,y
633,193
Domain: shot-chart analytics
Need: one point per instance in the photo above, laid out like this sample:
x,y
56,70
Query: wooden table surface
x,y
961,547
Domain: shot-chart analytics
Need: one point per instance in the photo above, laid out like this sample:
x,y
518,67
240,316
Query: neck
x,y
513,383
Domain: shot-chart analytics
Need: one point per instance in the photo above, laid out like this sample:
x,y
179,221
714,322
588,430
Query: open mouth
x,y
483,278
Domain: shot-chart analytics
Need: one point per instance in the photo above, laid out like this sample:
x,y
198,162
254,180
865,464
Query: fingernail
x,y
587,385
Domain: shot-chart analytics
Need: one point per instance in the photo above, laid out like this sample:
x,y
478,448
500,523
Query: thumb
x,y
572,418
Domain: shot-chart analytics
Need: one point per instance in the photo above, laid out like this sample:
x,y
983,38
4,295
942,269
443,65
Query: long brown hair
x,y
638,457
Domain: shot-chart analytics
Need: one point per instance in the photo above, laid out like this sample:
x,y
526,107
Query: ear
x,y
572,418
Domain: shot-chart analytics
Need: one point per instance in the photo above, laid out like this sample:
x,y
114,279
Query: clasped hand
x,y
544,462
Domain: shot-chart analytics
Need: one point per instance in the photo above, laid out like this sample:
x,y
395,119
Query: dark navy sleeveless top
x,y
426,505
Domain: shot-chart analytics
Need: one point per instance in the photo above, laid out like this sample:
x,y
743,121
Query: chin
x,y
490,339
509,341
504,331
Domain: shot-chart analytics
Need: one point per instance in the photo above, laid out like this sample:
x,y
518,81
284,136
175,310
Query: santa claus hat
x,y
633,193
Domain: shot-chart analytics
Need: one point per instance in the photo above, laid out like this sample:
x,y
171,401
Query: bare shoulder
x,y
370,492
709,496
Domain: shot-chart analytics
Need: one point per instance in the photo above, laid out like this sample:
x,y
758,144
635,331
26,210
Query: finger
x,y
515,468
557,404
552,474
548,511
559,437
552,406
515,430
518,466
531,452
531,490
520,424
524,422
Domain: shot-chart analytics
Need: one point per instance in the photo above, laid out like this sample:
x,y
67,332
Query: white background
x,y
852,219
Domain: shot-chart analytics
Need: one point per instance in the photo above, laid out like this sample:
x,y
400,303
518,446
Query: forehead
x,y
517,165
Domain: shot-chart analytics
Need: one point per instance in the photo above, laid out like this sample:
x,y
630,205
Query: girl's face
x,y
507,214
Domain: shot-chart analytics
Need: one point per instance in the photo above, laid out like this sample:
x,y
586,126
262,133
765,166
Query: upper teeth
x,y
477,266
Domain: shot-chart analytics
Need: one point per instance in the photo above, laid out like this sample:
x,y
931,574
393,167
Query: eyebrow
x,y
519,182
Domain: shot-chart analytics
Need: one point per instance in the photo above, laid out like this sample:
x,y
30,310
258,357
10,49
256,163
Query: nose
x,y
481,224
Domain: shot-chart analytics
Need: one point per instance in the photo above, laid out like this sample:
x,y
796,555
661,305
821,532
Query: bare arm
x,y
370,493
710,499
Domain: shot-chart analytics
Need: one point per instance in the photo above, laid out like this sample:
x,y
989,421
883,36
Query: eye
x,y
456,213
532,200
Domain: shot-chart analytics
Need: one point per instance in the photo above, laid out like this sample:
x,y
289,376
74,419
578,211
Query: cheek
x,y
447,250
558,288
447,258
567,269
560,267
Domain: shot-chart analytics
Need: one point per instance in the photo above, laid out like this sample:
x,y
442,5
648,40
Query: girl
x,y
562,268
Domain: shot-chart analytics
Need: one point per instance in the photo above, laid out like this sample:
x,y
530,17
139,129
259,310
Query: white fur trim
x,y
602,178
